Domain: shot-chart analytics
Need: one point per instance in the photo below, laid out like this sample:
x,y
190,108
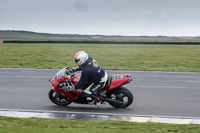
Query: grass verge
x,y
180,58
37,125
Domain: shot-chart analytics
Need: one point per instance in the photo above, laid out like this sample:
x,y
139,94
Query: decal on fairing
x,y
121,82
63,74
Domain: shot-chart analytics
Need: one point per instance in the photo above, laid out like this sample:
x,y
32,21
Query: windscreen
x,y
60,74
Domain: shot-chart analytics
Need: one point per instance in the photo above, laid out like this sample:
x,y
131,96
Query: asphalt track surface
x,y
155,93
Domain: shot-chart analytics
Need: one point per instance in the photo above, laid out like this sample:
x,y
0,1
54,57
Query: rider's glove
x,y
70,88
69,71
74,69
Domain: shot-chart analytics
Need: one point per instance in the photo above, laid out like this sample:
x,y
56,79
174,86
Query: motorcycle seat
x,y
108,82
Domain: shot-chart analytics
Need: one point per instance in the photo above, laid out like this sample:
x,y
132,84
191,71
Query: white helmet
x,y
80,57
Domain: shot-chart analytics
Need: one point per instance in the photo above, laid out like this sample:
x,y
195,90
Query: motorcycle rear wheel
x,y
121,94
58,99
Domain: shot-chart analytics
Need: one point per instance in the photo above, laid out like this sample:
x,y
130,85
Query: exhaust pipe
x,y
112,101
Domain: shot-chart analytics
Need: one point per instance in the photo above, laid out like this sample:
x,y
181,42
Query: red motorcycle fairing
x,y
76,78
72,95
56,82
119,80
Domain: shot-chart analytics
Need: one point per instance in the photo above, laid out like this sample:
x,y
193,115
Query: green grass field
x,y
180,58
35,125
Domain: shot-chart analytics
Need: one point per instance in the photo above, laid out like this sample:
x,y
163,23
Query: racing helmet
x,y
80,57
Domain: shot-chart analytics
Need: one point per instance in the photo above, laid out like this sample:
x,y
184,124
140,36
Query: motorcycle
x,y
113,92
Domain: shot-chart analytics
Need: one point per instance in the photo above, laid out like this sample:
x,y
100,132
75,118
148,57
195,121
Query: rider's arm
x,y
82,81
77,68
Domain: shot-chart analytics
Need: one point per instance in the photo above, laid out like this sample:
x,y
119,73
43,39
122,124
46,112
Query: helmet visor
x,y
77,60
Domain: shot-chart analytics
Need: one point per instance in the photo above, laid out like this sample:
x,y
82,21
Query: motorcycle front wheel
x,y
122,95
58,99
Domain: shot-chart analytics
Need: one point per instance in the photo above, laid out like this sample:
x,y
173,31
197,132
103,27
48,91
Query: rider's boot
x,y
98,101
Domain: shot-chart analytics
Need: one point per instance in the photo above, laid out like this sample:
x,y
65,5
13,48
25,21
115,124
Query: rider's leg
x,y
92,89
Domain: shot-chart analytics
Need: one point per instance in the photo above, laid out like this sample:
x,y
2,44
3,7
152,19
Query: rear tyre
x,y
58,99
122,95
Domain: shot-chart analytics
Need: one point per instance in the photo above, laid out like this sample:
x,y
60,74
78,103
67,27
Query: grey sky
x,y
107,17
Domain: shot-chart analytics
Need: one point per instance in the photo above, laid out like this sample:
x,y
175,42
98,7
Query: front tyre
x,y
122,95
58,99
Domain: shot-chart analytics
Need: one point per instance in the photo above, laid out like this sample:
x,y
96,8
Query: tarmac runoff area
x,y
97,117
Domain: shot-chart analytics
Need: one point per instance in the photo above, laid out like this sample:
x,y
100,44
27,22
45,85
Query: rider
x,y
91,72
